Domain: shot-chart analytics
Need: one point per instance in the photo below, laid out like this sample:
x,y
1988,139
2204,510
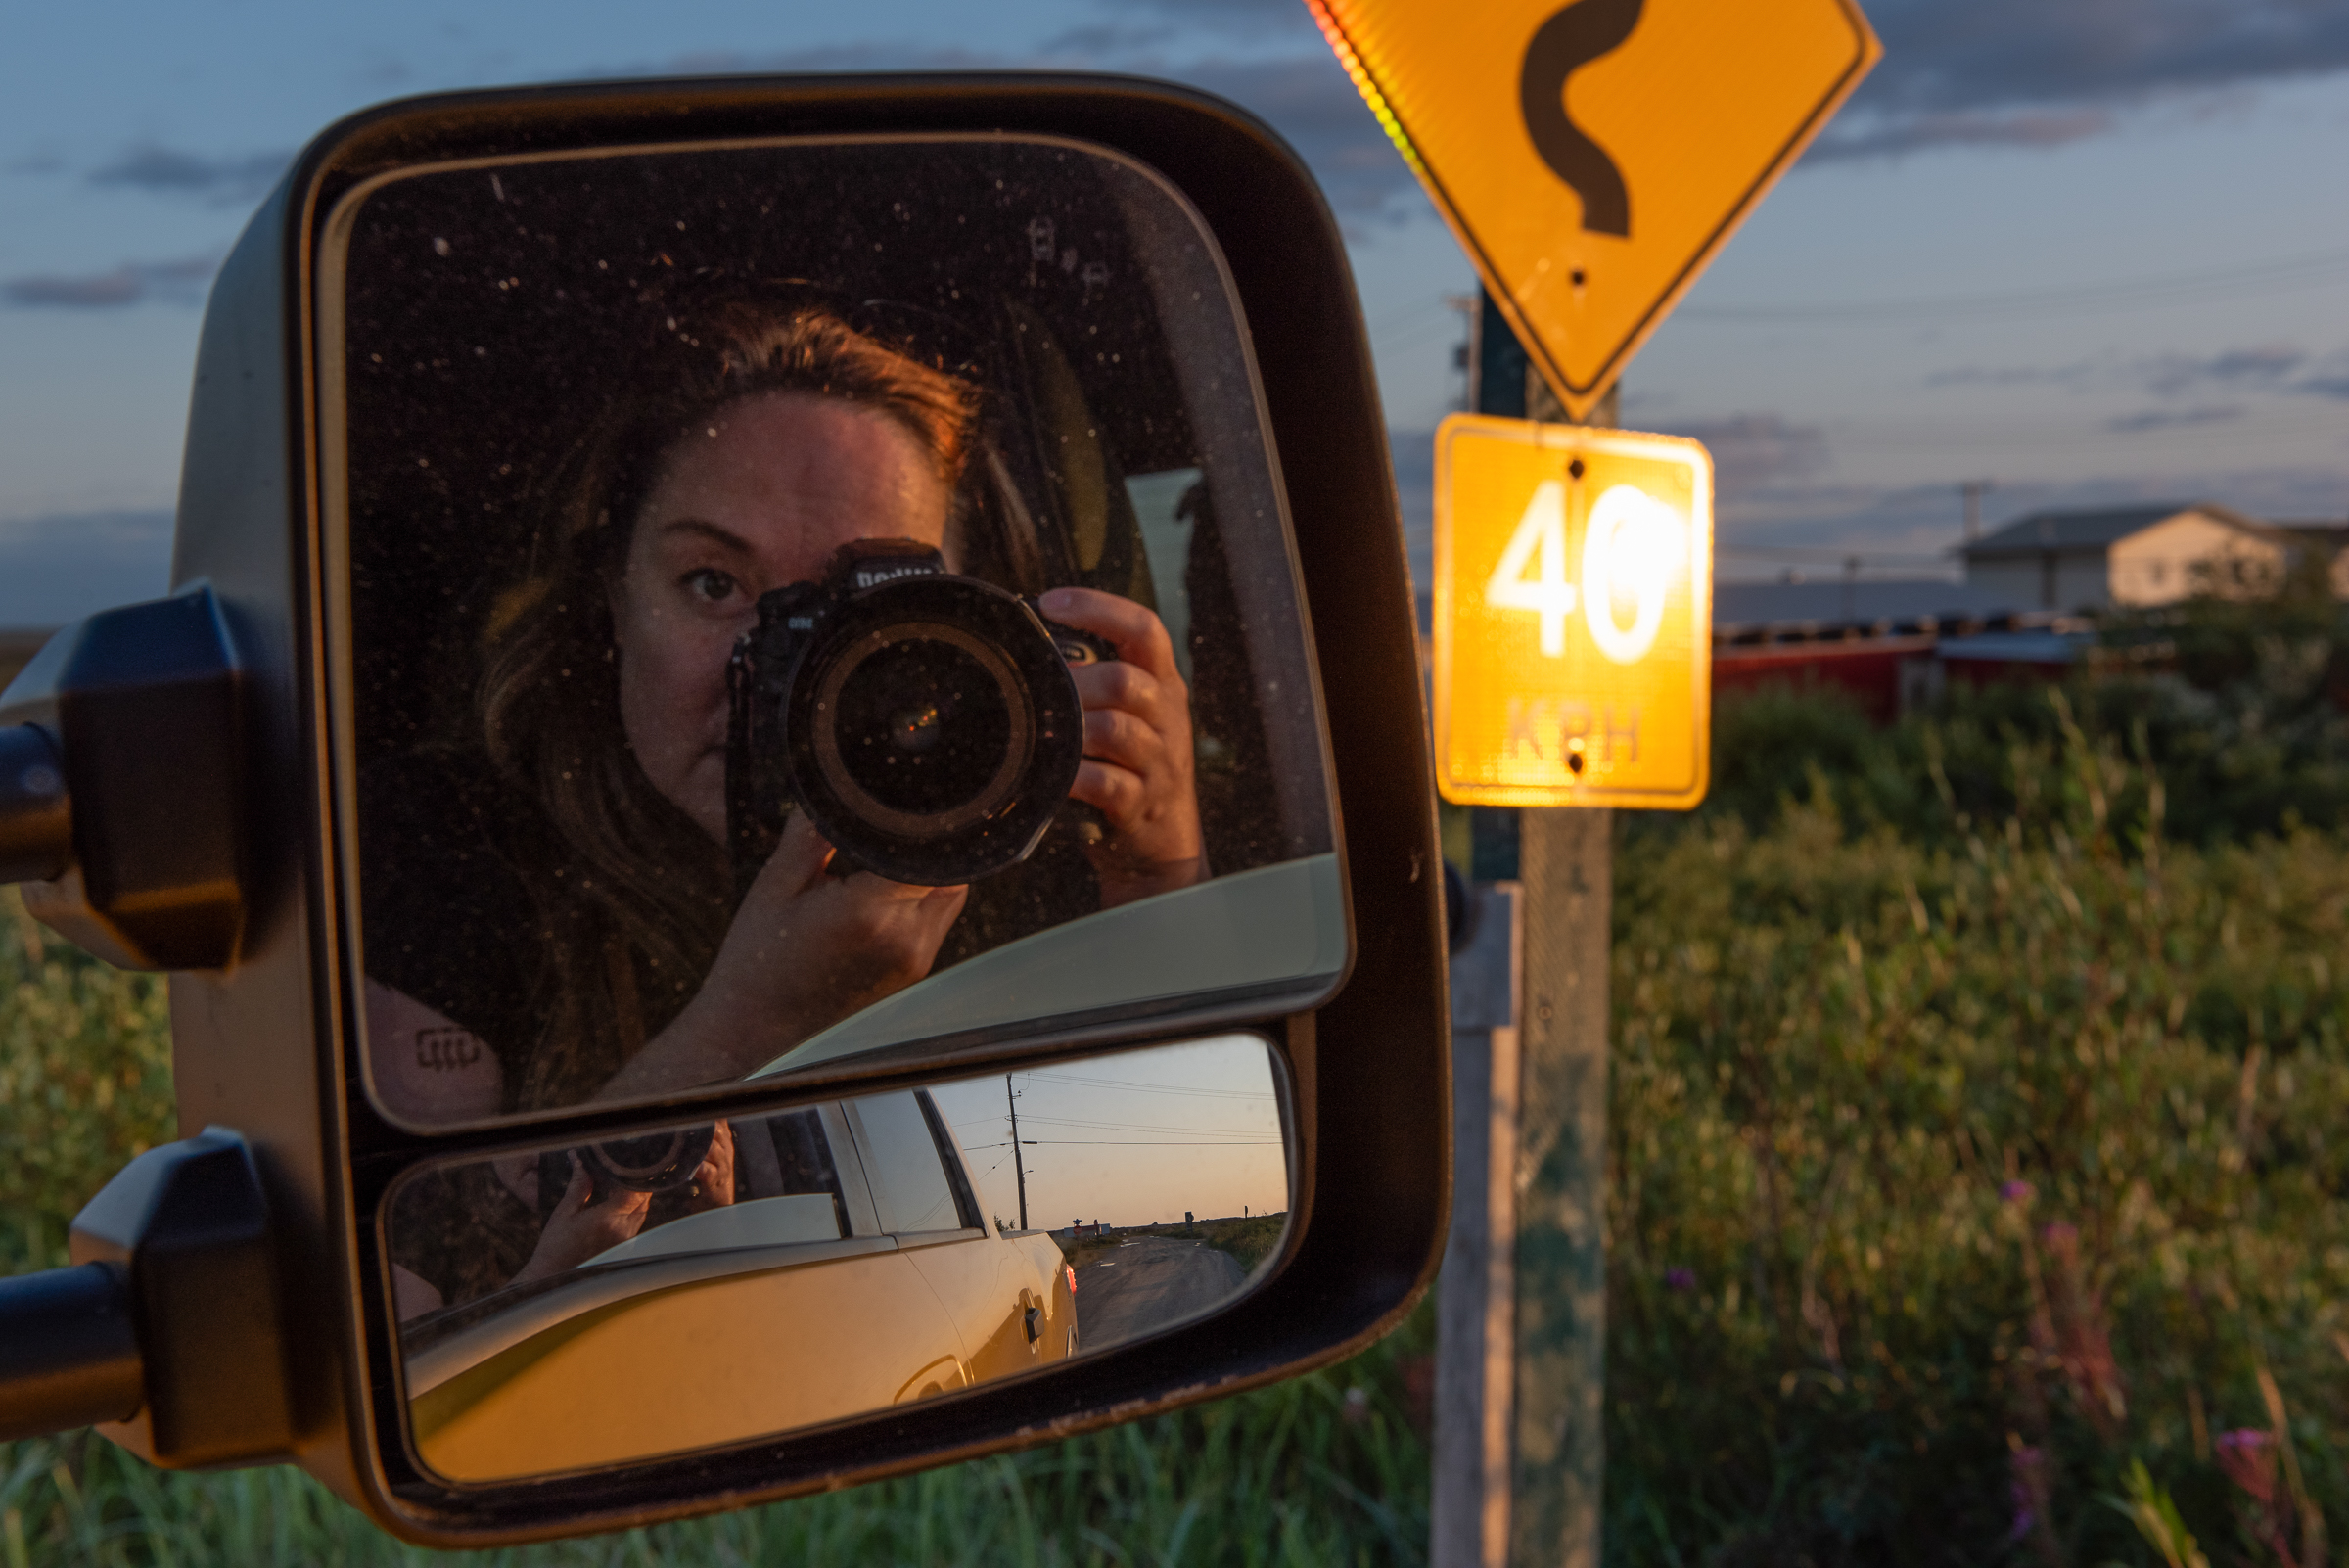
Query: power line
x,y
1130,1143
1790,552
1145,1127
1148,1089
2270,277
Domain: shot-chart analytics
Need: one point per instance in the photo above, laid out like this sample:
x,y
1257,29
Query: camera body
x,y
649,1163
925,721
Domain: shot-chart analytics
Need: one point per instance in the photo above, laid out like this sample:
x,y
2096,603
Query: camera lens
x,y
922,728
931,729
923,725
655,1161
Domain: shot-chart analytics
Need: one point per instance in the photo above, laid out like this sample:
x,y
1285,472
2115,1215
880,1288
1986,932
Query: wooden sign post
x,y
1593,157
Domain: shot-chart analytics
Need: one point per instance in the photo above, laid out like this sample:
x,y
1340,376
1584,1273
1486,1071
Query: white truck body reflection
x,y
855,1270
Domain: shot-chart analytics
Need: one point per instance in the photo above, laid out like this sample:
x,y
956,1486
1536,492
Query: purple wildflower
x,y
2026,1490
2017,1192
1682,1280
2248,1456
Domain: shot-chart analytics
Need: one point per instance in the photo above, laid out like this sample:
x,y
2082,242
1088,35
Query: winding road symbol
x,y
1593,155
1571,40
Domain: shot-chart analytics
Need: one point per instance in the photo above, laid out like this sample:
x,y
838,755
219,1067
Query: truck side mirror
x,y
726,635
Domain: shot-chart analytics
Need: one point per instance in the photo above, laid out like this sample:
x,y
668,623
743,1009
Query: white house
x,y
2136,555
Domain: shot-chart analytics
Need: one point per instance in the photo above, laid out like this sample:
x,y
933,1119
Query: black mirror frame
x,y
268,1045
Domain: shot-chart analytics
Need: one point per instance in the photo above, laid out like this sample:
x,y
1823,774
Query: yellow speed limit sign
x,y
1572,615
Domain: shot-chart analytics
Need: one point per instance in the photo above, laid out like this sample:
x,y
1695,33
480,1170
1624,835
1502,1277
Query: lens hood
x,y
653,1162
931,729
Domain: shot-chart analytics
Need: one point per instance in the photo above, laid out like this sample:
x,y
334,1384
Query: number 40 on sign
x,y
1572,615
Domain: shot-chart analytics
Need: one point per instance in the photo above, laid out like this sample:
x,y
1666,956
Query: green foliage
x,y
1308,1471
1954,1169
85,1083
2232,704
1250,1241
1327,1468
2148,1506
1978,1110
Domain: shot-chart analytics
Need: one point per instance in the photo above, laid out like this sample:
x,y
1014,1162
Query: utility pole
x,y
1521,1351
1972,491
1464,354
1019,1161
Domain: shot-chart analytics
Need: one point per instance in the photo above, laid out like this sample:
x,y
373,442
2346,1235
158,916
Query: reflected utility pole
x,y
1972,491
1019,1161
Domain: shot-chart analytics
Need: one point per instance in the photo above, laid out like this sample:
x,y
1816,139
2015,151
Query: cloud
x,y
1754,450
2263,366
151,166
2271,369
2031,74
2173,418
1110,40
180,282
1890,135
61,567
1247,18
1303,95
2077,374
1922,520
1310,102
2328,377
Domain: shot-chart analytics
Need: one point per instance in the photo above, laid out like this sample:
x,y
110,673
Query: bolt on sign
x,y
1574,615
1592,157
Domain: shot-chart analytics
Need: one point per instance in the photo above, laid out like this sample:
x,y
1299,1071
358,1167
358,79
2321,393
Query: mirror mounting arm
x,y
121,777
170,1325
37,817
69,1352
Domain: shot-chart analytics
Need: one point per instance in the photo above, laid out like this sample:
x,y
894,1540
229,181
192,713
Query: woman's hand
x,y
1137,768
578,1229
805,950
713,1185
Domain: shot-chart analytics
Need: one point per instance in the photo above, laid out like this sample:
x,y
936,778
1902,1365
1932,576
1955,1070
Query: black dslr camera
x,y
653,1162
925,721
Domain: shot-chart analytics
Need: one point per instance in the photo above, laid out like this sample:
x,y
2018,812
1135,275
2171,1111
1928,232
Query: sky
x,y
2090,252
1133,1139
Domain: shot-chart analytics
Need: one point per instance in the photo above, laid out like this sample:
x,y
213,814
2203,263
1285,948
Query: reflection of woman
x,y
756,437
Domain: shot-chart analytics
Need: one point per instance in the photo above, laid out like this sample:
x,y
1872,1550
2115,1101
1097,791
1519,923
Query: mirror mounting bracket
x,y
122,746
188,1229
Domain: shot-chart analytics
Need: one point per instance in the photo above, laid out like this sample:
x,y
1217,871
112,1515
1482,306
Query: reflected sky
x,y
1131,1140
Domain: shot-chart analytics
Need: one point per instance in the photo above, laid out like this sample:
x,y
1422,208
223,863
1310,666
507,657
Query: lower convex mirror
x,y
682,1287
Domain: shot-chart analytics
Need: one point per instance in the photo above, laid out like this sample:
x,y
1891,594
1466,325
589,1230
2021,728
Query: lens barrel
x,y
931,729
652,1163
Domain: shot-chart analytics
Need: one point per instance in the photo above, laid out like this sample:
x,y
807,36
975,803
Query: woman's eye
x,y
709,586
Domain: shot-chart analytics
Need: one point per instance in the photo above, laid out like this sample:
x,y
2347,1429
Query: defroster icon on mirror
x,y
842,634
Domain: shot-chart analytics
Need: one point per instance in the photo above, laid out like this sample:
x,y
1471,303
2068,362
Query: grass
x,y
1959,1171
1327,1468
1980,1129
1305,1473
1250,1239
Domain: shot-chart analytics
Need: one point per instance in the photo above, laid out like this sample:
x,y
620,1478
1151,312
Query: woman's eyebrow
x,y
708,530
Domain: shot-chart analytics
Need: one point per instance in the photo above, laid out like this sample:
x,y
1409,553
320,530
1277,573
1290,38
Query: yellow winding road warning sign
x,y
1572,615
1593,157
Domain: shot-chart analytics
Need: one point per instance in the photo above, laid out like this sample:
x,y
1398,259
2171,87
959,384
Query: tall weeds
x,y
1955,1171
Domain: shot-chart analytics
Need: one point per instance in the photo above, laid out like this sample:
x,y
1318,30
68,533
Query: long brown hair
x,y
634,897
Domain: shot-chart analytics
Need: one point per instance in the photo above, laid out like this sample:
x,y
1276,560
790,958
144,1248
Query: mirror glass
x,y
810,602
566,1307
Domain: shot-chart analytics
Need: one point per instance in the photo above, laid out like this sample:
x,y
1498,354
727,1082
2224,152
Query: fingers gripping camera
x,y
925,721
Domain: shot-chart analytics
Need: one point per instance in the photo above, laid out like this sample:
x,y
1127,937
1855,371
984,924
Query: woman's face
x,y
759,496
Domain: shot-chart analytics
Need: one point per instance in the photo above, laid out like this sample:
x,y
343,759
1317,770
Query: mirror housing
x,y
133,719
266,1010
